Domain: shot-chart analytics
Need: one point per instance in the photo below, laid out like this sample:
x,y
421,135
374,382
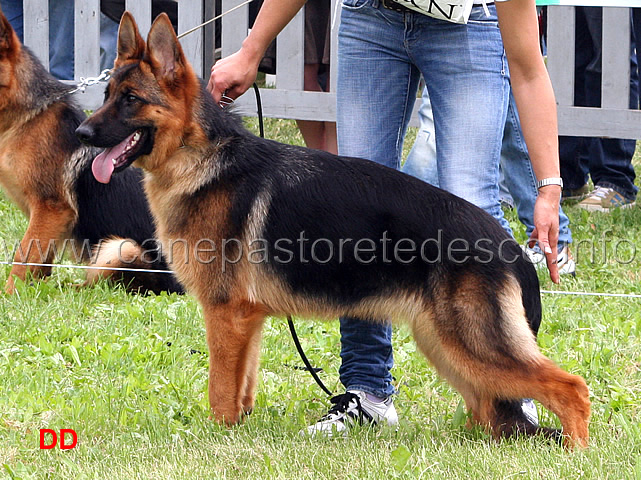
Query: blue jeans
x,y
381,56
61,33
108,42
607,160
518,175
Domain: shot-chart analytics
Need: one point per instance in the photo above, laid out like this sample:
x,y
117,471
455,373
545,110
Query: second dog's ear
x,y
130,43
164,48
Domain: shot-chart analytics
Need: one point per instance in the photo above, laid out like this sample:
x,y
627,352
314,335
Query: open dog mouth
x,y
119,156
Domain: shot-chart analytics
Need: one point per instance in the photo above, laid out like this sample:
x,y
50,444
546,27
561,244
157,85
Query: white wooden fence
x,y
288,100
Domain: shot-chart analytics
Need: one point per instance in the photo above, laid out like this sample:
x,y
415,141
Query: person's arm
x,y
234,74
537,111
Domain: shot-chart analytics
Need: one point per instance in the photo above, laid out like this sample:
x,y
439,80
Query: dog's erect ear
x,y
164,49
130,43
8,39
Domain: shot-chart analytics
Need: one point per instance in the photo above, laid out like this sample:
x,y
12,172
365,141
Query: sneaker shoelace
x,y
342,407
600,192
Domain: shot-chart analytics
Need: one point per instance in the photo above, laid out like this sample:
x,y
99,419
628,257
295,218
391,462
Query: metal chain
x,y
89,81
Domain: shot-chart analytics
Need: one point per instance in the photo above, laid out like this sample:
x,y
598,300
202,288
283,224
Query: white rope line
x,y
86,267
213,19
142,270
591,294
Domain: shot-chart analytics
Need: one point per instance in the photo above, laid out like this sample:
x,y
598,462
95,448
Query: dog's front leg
x,y
42,242
233,337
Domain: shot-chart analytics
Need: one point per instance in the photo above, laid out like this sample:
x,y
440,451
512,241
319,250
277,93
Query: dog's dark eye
x,y
131,98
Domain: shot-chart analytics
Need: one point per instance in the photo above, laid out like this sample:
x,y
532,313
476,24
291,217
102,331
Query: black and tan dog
x,y
261,228
46,171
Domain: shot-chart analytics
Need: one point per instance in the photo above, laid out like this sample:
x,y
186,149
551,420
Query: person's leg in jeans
x,y
636,30
108,41
12,9
466,74
421,161
373,110
61,33
372,114
61,38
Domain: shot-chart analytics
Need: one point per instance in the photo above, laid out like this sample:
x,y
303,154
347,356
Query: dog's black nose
x,y
85,133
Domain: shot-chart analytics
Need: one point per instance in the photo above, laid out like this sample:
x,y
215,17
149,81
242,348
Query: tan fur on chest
x,y
192,235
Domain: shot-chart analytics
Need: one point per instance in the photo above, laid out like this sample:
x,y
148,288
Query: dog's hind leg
x,y
233,337
510,420
484,347
489,388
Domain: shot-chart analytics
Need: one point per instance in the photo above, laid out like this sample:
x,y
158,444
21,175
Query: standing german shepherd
x,y
263,228
46,171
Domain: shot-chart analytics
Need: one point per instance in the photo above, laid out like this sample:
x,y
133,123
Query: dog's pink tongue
x,y
103,165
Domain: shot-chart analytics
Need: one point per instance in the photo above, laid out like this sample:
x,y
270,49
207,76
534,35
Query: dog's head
x,y
147,110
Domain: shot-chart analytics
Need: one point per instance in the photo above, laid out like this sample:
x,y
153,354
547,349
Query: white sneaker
x,y
565,262
529,410
353,407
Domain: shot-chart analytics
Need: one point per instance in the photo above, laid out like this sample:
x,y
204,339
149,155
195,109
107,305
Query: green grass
x,y
127,374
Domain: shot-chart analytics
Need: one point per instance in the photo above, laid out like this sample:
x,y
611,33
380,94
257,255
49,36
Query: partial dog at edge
x,y
473,314
46,172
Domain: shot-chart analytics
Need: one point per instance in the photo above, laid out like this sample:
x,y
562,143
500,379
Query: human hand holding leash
x,y
232,76
546,227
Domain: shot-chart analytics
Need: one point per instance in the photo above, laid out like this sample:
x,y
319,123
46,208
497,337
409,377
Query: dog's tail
x,y
139,270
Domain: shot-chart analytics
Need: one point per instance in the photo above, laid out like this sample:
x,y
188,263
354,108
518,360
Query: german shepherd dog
x,y
46,171
289,230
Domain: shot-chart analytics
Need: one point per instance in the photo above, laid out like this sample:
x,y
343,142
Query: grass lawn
x,y
128,374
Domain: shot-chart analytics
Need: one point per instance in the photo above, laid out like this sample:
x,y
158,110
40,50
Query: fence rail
x,y
288,100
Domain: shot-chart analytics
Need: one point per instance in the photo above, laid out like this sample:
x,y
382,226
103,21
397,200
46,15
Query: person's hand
x,y
232,76
546,226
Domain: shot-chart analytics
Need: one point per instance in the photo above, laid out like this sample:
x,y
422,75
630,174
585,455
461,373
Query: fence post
x,y
87,38
36,28
234,27
190,14
560,60
615,67
141,10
